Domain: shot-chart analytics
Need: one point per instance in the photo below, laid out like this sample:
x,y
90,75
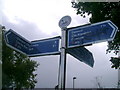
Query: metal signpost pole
x,y
63,23
119,70
62,61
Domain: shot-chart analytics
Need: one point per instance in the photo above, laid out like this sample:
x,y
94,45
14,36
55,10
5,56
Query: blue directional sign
x,y
82,54
98,32
34,48
17,42
45,47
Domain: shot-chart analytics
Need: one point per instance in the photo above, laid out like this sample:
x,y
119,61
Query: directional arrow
x,y
35,48
98,32
82,54
17,42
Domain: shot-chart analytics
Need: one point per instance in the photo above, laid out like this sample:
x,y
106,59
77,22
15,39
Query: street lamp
x,y
74,82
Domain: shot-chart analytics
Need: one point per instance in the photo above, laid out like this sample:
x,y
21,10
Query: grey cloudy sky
x,y
38,19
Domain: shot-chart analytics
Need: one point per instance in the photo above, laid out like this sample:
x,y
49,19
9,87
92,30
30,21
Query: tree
x,y
17,69
101,11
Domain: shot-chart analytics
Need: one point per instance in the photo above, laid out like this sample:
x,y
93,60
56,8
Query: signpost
x,y
94,33
63,23
72,42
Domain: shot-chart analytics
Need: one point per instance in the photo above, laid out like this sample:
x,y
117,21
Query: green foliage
x,y
116,62
101,11
17,69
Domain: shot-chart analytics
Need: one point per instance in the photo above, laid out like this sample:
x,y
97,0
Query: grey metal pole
x,y
119,70
74,82
62,67
63,23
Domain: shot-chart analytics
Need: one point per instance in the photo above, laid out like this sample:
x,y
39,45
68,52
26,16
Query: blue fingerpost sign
x,y
82,54
34,48
17,42
94,33
45,47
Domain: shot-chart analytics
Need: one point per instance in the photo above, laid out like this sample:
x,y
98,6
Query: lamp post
x,y
74,82
119,70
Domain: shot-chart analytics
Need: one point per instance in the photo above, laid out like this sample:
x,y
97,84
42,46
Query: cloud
x,y
26,29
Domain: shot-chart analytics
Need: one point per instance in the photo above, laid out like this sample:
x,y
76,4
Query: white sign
x,y
64,21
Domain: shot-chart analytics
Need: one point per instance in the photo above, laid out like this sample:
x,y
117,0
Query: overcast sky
x,y
38,19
